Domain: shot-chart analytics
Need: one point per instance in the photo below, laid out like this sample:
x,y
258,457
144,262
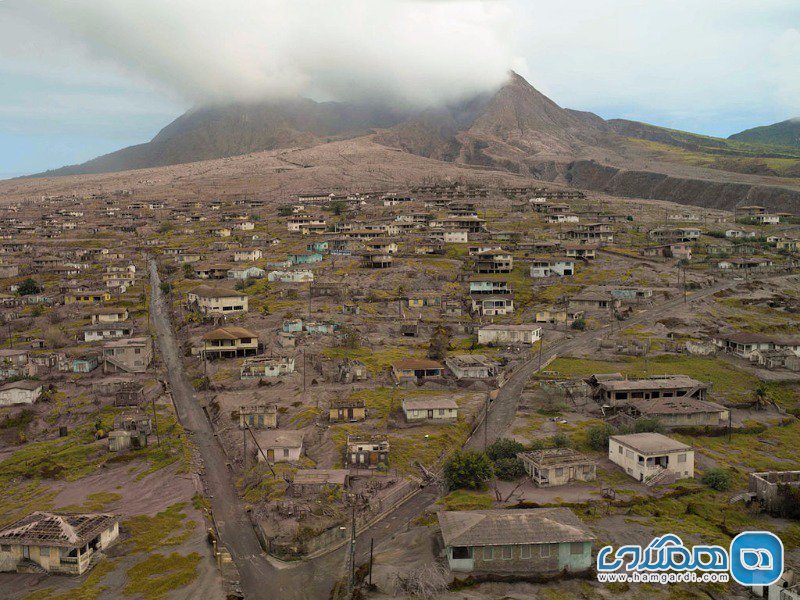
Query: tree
x,y
504,448
28,287
166,288
188,270
579,324
439,344
597,437
509,469
560,440
467,469
717,479
761,394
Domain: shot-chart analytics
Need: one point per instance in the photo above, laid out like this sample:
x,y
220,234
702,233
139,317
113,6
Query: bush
x,y
509,469
647,426
504,448
579,324
717,479
560,440
597,437
467,470
28,287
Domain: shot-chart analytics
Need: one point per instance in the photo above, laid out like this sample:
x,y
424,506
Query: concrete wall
x,y
524,559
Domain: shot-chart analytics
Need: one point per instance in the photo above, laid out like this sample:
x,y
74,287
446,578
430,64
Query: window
x,y
628,454
525,551
681,458
44,551
460,552
5,548
620,449
544,551
559,471
576,548
508,552
285,452
488,553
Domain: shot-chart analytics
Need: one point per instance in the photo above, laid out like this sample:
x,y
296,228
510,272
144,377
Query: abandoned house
x,y
347,410
682,411
430,409
501,334
106,331
229,342
415,369
494,261
651,458
131,430
86,297
24,391
350,370
258,415
552,267
317,481
111,314
129,355
266,366
614,390
594,301
212,300
492,306
516,541
366,452
280,445
557,466
766,487
56,543
745,343
471,366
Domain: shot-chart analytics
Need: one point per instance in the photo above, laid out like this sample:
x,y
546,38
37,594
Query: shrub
x,y
28,287
597,437
509,469
560,440
504,448
579,324
717,479
467,470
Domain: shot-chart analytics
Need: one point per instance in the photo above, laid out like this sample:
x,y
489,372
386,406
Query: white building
x,y
299,276
552,267
430,409
509,334
651,457
24,391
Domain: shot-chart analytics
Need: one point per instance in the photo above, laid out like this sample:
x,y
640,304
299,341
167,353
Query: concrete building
x,y
552,267
56,543
614,390
651,457
258,415
131,430
347,410
107,331
280,445
111,314
471,366
87,297
262,367
213,300
509,334
745,343
765,487
430,409
229,342
558,466
129,355
415,369
366,452
24,391
516,541
491,305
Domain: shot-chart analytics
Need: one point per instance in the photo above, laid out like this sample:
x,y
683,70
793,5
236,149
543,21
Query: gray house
x,y
525,541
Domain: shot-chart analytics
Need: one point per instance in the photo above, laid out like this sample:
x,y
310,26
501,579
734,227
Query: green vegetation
x,y
29,287
466,500
96,502
157,575
166,528
468,470
718,479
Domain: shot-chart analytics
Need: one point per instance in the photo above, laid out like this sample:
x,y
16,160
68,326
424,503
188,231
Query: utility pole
x,y
352,543
486,423
371,547
244,448
155,420
684,284
541,345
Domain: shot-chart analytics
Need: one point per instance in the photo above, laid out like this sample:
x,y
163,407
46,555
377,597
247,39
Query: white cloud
x,y
396,50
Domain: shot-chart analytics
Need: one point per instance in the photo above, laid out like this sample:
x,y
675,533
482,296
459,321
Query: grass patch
x,y
94,502
89,589
166,528
157,575
466,500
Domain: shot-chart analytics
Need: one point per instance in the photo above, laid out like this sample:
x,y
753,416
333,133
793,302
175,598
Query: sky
x,y
79,78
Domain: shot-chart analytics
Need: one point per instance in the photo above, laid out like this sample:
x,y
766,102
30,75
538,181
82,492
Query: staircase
x,y
26,565
662,476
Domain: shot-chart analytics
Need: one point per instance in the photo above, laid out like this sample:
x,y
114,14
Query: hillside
x,y
785,133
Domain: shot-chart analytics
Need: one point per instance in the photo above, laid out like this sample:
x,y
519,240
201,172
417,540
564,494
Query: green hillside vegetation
x,y
785,133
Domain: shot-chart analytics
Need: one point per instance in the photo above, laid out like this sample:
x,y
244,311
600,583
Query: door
x,y
271,455
373,458
26,552
349,414
430,414
341,414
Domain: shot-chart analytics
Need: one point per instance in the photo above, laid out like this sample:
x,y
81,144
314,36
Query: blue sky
x,y
80,78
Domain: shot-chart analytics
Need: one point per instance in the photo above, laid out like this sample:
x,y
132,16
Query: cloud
x,y
401,51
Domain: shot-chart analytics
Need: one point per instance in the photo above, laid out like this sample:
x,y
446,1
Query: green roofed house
x,y
516,541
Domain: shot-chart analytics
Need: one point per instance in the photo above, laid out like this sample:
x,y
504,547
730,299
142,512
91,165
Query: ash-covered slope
x,y
234,129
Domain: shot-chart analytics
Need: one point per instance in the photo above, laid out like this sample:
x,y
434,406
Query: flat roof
x,y
650,443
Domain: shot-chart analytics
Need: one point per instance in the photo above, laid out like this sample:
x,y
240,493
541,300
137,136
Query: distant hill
x,y
785,133
233,129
